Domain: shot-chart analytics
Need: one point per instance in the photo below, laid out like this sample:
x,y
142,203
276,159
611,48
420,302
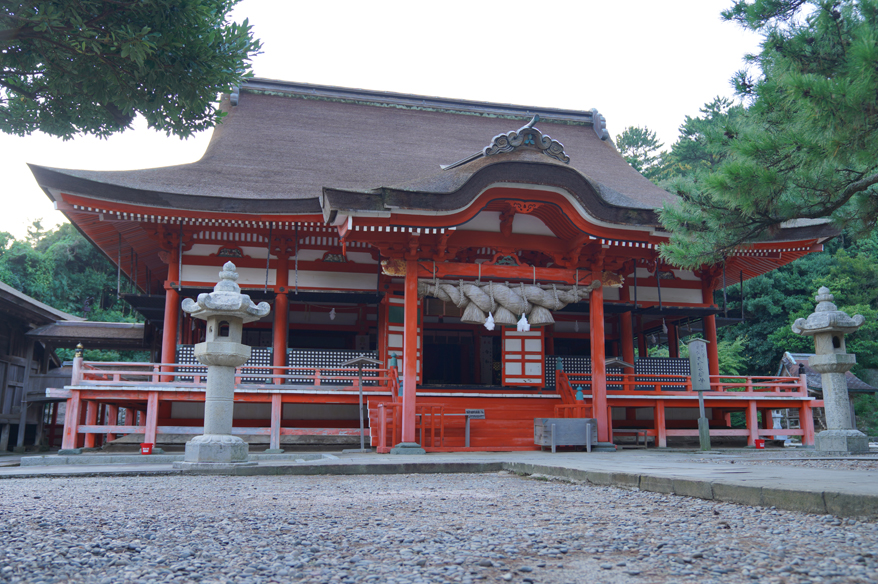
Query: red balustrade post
x,y
752,423
71,421
382,427
806,423
660,427
112,420
91,418
152,417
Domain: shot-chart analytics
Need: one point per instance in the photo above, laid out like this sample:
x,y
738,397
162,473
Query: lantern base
x,y
841,442
216,449
407,448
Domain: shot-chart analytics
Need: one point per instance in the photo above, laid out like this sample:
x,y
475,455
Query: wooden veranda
x,y
107,400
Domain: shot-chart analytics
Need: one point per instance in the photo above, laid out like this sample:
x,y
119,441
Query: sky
x,y
638,62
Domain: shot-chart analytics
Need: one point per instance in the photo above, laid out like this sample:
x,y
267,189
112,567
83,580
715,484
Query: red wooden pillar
x,y
660,427
626,335
281,327
673,342
91,418
598,364
172,314
281,314
152,417
710,328
806,423
752,423
71,422
410,351
112,420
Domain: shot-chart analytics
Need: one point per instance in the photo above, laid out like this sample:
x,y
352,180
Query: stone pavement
x,y
846,493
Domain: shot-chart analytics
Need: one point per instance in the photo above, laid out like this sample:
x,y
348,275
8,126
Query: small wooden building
x,y
24,362
402,227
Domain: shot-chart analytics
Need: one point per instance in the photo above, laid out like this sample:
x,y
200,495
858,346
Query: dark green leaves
x,y
807,145
88,67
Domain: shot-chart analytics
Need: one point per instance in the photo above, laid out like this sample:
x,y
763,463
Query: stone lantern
x,y
828,326
225,310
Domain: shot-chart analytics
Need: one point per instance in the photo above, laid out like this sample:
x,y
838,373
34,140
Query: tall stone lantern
x,y
828,326
225,310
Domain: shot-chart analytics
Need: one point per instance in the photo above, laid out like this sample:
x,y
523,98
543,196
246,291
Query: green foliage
x,y
807,145
642,150
866,411
61,268
774,300
88,67
732,357
703,141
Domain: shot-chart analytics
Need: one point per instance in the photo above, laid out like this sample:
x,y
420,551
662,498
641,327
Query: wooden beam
x,y
452,270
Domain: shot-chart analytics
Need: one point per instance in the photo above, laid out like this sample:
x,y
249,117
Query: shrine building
x,y
490,256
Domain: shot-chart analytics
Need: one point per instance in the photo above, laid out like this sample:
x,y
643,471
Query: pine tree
x,y
807,145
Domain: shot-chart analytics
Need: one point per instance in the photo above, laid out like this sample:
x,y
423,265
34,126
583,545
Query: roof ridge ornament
x,y
525,136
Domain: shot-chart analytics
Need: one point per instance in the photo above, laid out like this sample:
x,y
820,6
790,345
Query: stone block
x,y
690,488
657,484
216,449
742,494
850,505
794,500
407,448
841,441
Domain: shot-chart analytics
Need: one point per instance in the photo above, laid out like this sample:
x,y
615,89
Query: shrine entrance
x,y
463,357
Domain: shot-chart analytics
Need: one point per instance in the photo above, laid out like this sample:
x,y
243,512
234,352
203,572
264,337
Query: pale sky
x,y
639,62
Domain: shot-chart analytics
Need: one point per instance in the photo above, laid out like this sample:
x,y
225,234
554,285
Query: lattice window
x,y
261,356
648,366
661,366
571,365
186,356
325,358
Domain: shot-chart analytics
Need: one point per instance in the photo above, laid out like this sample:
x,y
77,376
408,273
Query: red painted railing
x,y
573,411
130,375
645,384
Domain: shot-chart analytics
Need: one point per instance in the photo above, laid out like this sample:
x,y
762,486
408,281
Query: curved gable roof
x,y
283,143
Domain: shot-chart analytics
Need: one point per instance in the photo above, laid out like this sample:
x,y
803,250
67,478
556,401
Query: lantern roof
x,y
226,300
827,318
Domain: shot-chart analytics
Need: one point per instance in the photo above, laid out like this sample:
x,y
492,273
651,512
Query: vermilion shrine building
x,y
395,226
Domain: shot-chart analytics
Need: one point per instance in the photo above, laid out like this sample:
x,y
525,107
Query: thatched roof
x,y
284,145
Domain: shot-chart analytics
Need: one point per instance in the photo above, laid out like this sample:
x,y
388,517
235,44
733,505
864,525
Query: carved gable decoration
x,y
334,257
230,251
525,137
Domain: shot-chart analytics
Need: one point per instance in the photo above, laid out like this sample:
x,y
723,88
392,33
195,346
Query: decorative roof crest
x,y
525,136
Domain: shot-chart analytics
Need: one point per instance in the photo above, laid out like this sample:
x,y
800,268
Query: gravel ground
x,y
408,528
